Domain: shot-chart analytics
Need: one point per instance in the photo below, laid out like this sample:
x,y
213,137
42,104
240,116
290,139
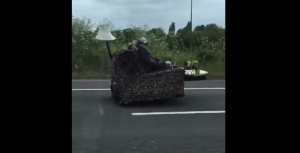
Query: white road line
x,y
101,111
187,112
90,80
184,89
88,89
202,88
110,80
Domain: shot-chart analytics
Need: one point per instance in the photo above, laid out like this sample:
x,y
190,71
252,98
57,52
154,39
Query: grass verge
x,y
214,72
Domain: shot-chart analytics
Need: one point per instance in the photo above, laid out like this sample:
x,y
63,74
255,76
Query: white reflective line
x,y
88,89
90,80
170,113
202,88
110,80
184,88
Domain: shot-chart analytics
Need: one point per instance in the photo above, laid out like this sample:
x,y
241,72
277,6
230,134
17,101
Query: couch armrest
x,y
176,74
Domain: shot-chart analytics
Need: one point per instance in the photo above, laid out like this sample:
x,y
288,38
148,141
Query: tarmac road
x,y
100,125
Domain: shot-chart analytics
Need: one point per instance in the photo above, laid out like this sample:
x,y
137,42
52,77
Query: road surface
x,y
192,124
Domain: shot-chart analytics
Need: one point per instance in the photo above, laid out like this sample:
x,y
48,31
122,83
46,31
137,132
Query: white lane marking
x,y
184,89
101,111
88,89
202,88
110,80
90,80
168,113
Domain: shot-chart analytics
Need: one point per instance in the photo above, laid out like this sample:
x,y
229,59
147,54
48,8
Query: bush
x,y
90,56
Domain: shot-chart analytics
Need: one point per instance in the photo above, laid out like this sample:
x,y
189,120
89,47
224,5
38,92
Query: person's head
x,y
142,42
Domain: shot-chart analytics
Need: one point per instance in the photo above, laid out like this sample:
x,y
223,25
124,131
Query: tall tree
x,y
199,28
171,40
213,32
187,27
172,29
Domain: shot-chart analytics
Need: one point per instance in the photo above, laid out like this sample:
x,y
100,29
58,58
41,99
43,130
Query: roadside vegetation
x,y
205,43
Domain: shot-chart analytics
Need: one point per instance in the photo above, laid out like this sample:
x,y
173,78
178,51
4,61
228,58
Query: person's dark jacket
x,y
149,63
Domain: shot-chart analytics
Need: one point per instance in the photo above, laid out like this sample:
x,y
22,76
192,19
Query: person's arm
x,y
157,60
149,61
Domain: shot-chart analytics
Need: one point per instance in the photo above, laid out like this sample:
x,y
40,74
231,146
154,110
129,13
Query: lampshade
x,y
104,33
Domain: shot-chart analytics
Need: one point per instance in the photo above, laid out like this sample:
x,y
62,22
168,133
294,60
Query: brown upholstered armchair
x,y
129,82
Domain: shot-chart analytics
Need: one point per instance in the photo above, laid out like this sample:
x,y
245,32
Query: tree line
x,y
89,53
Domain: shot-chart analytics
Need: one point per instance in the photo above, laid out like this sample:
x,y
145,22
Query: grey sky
x,y
154,13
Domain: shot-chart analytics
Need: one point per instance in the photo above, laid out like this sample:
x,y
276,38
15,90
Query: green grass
x,y
89,75
214,71
99,68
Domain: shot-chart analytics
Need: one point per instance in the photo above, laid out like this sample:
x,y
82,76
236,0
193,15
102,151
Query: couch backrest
x,y
126,67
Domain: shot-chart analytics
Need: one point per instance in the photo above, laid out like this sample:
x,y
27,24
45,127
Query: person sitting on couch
x,y
148,62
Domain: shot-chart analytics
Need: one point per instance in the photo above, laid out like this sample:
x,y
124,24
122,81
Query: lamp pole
x,y
191,14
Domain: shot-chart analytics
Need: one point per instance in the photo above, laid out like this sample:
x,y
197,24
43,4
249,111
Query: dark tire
x,y
112,92
115,97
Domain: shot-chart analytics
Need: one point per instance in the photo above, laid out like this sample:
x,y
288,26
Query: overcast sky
x,y
154,13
